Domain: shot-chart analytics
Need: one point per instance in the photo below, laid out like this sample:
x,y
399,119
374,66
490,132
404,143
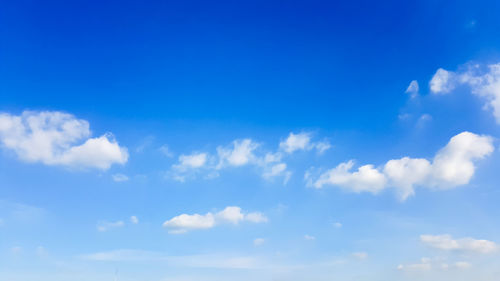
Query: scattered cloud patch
x,y
104,226
134,219
309,237
484,81
447,243
360,255
412,89
230,215
259,241
452,166
428,264
57,138
302,141
120,177
337,225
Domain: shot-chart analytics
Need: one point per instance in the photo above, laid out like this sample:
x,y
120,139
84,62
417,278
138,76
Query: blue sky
x,y
249,140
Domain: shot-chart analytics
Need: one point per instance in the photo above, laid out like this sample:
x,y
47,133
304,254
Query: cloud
x,y
134,220
412,89
447,243
484,81
241,153
302,141
442,82
230,215
104,226
57,138
309,237
360,255
366,178
259,241
337,225
438,263
120,177
452,166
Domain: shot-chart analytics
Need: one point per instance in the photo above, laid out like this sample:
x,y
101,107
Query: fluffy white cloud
x,y
104,226
56,138
442,82
302,141
231,215
483,81
366,178
447,243
452,166
413,89
239,154
437,263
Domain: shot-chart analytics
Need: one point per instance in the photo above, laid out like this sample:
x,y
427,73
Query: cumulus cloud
x,y
452,166
239,154
442,82
57,138
412,89
230,215
484,81
447,243
302,141
104,226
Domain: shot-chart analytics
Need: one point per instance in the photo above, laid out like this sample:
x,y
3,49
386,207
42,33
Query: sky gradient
x,y
249,140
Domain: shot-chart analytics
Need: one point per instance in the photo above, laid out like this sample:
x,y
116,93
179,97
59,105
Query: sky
x,y
249,140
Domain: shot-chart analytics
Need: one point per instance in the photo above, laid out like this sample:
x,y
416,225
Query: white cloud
x,y
104,226
259,241
366,178
195,160
413,89
120,177
442,82
447,243
231,214
452,166
302,141
241,153
56,138
134,219
309,237
360,255
165,150
424,265
484,82
337,225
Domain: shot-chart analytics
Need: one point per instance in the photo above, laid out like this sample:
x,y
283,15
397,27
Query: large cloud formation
x,y
57,138
452,166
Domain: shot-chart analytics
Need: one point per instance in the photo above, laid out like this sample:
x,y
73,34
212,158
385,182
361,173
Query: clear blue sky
x,y
249,140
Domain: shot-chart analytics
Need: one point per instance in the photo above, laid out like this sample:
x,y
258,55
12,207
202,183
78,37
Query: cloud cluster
x,y
427,264
447,243
230,215
452,166
244,152
57,138
484,82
